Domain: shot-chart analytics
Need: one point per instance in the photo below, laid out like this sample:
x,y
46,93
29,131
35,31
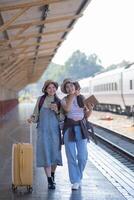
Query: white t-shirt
x,y
76,113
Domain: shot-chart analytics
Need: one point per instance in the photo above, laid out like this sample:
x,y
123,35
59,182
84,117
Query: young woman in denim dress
x,y
48,151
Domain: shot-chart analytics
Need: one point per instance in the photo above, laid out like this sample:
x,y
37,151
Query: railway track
x,y
119,146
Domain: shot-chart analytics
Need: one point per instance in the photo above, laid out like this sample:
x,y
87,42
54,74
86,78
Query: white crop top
x,y
76,113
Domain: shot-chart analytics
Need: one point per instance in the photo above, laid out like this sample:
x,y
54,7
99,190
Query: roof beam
x,y
33,51
45,57
40,56
13,72
19,74
10,52
19,61
40,34
9,63
14,38
46,21
44,9
8,70
8,75
7,7
35,44
33,35
9,22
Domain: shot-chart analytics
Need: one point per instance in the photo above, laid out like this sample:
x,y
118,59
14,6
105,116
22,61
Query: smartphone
x,y
53,102
53,105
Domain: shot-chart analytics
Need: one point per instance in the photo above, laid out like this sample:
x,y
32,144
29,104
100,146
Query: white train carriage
x,y
128,87
107,87
113,89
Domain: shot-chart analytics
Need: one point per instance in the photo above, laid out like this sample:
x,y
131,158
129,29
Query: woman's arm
x,y
66,105
34,117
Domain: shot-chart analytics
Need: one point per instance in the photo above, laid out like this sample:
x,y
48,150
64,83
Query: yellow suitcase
x,y
22,166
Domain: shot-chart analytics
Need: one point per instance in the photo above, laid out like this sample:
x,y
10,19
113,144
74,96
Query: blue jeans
x,y
76,152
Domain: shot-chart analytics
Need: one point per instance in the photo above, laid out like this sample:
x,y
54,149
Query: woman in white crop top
x,y
75,142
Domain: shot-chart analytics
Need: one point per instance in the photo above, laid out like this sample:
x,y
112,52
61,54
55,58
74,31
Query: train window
x,y
103,87
131,84
116,86
99,88
106,87
109,86
112,86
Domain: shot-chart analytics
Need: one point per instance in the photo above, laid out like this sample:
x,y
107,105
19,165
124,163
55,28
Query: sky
x,y
106,29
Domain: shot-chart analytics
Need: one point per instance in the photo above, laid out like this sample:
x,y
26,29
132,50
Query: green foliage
x,y
78,66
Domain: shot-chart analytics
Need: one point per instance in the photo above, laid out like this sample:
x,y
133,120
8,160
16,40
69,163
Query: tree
x,y
78,66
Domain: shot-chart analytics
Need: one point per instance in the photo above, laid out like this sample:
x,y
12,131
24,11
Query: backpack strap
x,y
57,101
41,101
80,101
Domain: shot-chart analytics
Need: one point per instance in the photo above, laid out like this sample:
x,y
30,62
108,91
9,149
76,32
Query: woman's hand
x,y
29,120
88,110
54,107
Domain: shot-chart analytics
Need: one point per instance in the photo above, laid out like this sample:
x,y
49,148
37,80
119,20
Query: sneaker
x,y
75,186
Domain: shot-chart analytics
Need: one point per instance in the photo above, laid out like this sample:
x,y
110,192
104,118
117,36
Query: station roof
x,y
31,31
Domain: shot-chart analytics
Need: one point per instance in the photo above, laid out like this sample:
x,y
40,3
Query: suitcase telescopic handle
x,y
31,133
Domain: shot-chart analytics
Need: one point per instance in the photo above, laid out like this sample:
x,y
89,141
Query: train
x,y
113,89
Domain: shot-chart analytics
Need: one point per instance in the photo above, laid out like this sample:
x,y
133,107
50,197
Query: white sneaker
x,y
75,186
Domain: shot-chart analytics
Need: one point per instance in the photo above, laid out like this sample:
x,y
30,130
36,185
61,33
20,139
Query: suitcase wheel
x,y
29,189
14,188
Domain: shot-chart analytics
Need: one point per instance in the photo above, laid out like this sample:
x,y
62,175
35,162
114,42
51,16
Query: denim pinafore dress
x,y
48,151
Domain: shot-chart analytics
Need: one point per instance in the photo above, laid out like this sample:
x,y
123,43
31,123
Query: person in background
x,y
48,151
75,133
